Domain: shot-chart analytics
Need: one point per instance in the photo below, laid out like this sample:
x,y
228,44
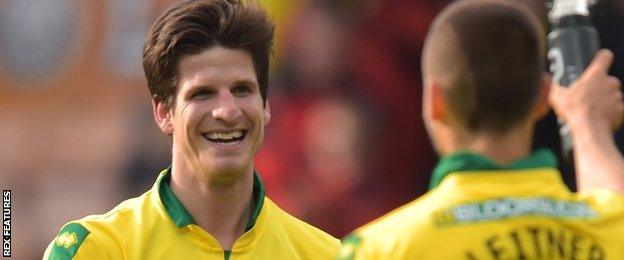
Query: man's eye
x,y
241,90
204,93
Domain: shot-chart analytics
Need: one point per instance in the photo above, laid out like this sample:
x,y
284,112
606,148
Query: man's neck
x,y
223,211
502,149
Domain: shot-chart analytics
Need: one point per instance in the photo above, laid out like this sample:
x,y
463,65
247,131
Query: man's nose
x,y
227,110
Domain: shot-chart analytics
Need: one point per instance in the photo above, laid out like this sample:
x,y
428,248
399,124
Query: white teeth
x,y
225,136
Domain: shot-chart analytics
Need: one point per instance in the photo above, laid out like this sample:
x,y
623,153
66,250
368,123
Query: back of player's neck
x,y
502,149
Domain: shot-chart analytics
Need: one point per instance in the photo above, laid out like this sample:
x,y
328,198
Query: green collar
x,y
181,216
467,161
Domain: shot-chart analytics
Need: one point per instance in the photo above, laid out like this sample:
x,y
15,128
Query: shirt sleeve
x,y
74,241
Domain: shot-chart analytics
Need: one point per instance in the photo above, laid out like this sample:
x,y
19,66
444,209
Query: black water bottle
x,y
572,44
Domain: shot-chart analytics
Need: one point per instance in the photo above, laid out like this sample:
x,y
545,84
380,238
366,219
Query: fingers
x,y
601,63
595,97
556,97
619,114
614,82
556,91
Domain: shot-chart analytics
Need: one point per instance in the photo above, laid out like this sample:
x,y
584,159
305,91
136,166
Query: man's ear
x,y
162,115
438,103
267,112
541,104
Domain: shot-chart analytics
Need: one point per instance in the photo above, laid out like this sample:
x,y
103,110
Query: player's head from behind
x,y
206,64
483,64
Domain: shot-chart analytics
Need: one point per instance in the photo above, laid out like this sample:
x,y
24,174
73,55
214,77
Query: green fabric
x,y
467,161
226,254
178,213
68,240
258,196
349,247
182,217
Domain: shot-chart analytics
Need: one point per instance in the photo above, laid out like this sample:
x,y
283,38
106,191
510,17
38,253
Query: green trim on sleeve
x,y
349,247
67,241
468,161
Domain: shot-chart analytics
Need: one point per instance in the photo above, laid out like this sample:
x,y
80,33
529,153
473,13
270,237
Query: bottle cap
x,y
563,8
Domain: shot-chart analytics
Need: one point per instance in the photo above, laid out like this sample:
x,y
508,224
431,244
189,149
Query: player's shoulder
x,y
298,229
125,214
391,235
605,202
95,236
402,221
69,240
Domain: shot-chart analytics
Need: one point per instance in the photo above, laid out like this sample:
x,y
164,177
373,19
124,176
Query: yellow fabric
x,y
547,221
141,228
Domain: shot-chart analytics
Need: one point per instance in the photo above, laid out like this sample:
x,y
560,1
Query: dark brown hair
x,y
193,26
490,55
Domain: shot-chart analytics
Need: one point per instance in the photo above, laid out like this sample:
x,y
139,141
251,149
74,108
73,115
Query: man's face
x,y
218,118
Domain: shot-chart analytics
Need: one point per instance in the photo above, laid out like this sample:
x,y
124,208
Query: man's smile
x,y
226,136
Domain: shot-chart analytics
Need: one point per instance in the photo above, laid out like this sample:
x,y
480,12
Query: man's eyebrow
x,y
246,82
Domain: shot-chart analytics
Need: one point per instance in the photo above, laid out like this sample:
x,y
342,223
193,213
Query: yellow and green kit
x,y
477,209
157,226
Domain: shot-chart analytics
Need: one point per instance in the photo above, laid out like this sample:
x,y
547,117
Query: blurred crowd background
x,y
345,144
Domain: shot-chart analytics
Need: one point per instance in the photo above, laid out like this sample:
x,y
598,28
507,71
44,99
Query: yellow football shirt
x,y
477,209
157,226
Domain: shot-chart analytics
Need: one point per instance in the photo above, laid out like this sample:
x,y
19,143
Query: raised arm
x,y
592,106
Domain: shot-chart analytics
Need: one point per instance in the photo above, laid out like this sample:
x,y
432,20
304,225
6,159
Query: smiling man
x,y
206,64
